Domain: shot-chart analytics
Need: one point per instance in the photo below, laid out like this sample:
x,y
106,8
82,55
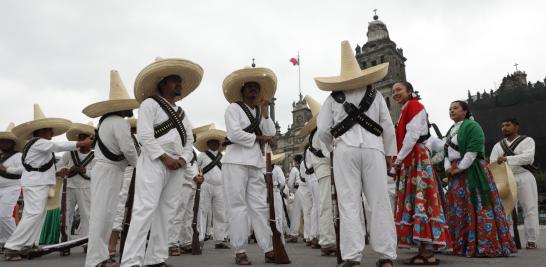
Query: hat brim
x,y
104,107
25,131
204,137
132,122
79,128
53,202
364,78
265,77
19,143
147,80
309,126
506,185
278,158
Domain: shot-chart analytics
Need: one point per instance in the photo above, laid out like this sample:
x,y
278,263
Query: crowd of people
x,y
139,182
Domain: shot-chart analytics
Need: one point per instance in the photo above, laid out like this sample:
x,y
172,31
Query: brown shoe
x,y
185,249
315,244
308,243
12,255
270,257
221,245
291,239
350,263
174,251
328,251
242,259
531,245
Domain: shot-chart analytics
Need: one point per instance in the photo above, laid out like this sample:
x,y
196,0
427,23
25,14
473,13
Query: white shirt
x,y
524,154
14,166
308,159
453,154
38,155
417,127
115,134
333,113
190,172
316,161
214,176
150,114
293,178
278,178
436,147
244,150
76,181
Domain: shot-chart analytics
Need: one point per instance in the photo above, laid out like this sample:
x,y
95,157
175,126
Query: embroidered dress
x,y
419,213
477,222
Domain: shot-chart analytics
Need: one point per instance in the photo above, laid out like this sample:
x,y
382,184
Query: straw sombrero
x,y
351,76
119,99
263,76
506,185
79,128
25,131
148,78
200,129
276,158
54,195
8,135
132,121
210,134
312,123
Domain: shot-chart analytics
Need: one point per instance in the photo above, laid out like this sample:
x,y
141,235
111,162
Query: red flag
x,y
294,61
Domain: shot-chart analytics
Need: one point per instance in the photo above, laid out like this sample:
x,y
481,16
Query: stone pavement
x,y
301,256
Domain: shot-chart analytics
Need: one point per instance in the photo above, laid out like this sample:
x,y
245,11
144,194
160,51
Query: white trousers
x,y
295,213
306,198
122,199
28,231
105,186
315,207
181,232
528,200
246,197
82,198
327,234
280,220
214,201
358,170
153,210
8,199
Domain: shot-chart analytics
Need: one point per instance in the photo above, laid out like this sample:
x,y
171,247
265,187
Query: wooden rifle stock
x,y
281,257
128,215
335,209
195,245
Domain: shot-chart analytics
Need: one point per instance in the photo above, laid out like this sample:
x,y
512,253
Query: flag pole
x,y
299,76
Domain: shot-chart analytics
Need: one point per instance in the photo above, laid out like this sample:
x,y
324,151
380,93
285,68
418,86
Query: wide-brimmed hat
x,y
263,76
351,76
506,185
132,122
9,135
119,99
199,129
208,135
148,78
25,131
276,158
80,128
54,195
312,123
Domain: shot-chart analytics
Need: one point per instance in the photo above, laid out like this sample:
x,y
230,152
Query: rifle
x,y
281,257
34,253
285,209
128,214
335,209
195,244
515,227
64,235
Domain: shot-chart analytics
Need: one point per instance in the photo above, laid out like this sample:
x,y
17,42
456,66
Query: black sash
x,y
8,175
83,163
42,168
194,158
449,143
137,144
356,114
215,162
316,151
254,126
107,153
174,121
308,171
509,151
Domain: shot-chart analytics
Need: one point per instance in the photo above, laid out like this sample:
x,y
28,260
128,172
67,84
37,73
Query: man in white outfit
x,y
518,151
294,182
76,167
355,119
279,182
11,169
166,137
38,177
209,162
114,151
310,202
248,127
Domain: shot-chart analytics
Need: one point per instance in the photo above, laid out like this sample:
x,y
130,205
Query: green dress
x,y
51,228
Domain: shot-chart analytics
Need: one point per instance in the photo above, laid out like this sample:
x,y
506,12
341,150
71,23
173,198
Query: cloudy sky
x,y
59,53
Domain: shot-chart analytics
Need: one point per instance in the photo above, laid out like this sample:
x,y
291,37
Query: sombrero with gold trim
x,y
119,99
265,77
351,76
25,131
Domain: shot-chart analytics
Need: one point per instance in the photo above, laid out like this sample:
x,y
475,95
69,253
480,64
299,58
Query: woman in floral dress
x,y
419,215
477,221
